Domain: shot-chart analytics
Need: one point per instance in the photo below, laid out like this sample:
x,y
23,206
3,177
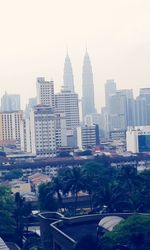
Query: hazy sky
x,y
34,35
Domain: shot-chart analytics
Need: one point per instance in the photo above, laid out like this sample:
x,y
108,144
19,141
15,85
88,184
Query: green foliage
x,y
13,174
120,190
47,201
133,233
7,223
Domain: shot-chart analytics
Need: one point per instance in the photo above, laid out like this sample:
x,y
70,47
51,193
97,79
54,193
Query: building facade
x,y
42,120
10,103
88,105
45,92
68,79
10,128
138,139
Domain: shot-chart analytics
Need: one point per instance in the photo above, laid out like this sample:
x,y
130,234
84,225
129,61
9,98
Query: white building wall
x,y
45,92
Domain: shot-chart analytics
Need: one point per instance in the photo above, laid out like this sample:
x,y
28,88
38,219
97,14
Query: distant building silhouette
x,y
68,80
88,106
10,103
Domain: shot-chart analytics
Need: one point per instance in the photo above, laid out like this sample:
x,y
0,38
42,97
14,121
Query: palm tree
x,y
95,175
111,195
56,186
73,182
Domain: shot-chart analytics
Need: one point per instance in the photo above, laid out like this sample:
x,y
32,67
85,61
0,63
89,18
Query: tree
x,y
46,198
95,176
113,196
7,223
133,233
13,174
72,180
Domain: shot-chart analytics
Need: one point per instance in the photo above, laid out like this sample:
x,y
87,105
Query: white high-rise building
x,y
10,103
45,92
67,102
43,142
48,131
25,134
138,139
10,128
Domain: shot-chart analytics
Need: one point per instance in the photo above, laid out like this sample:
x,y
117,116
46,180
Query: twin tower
x,y
88,106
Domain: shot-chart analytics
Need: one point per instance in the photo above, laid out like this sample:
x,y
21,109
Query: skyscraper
x,y
88,106
68,80
110,89
10,103
67,102
45,92
10,128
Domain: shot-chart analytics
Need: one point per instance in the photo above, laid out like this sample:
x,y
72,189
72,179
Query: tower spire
x,y
68,79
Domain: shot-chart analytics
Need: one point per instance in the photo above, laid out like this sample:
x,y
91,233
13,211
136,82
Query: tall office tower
x,y
31,103
45,92
10,103
88,106
140,111
61,130
67,102
87,136
110,89
121,110
68,80
42,123
145,93
25,135
10,128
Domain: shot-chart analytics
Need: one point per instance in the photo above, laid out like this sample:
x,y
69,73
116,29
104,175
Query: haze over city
x,y
35,36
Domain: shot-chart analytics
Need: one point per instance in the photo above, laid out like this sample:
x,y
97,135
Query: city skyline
x,y
116,34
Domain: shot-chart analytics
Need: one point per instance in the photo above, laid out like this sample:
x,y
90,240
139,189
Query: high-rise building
x,y
138,139
25,135
10,103
142,108
67,102
87,136
68,79
48,131
45,92
110,89
10,128
121,110
88,106
31,103
43,142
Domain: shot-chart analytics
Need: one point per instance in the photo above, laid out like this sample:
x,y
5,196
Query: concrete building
x,y
45,92
48,131
68,79
42,124
110,89
25,135
60,130
10,128
142,108
121,110
138,139
88,106
32,102
67,102
10,103
87,136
